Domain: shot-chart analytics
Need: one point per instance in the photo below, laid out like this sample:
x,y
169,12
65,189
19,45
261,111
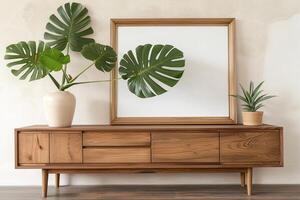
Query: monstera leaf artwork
x,y
152,69
70,29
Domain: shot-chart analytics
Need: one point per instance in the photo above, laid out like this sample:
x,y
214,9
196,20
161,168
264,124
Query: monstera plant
x,y
65,32
149,71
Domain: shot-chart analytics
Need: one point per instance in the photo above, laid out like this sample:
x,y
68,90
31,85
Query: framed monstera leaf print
x,y
173,71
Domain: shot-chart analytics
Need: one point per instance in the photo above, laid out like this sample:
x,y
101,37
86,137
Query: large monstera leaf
x,y
25,59
70,29
103,56
152,69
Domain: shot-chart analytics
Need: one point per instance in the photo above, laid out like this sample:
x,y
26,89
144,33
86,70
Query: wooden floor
x,y
157,192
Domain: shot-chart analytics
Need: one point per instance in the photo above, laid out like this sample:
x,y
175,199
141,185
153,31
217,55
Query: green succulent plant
x,y
148,71
253,98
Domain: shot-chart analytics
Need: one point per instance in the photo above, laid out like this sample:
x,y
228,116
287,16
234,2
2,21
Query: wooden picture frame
x,y
227,22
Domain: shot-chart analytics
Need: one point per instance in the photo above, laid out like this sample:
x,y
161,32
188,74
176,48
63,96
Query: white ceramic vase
x,y
59,108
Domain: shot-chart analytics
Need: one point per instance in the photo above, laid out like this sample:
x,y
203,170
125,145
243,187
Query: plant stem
x,y
86,82
54,81
65,75
100,81
84,70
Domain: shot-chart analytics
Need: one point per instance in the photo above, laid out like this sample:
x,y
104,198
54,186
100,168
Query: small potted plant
x,y
252,101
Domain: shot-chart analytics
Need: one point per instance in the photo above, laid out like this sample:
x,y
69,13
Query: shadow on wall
x,y
282,76
93,108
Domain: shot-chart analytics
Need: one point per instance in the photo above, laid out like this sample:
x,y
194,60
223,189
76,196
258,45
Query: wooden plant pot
x,y
252,118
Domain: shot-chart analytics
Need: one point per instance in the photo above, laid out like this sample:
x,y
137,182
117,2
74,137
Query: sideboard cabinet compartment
x,y
66,147
33,148
185,147
250,147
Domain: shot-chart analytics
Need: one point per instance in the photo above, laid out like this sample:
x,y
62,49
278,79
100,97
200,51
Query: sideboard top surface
x,y
149,128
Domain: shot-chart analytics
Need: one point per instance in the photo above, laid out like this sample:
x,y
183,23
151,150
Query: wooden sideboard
x,y
149,149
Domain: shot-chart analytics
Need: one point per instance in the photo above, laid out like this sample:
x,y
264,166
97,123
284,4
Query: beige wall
x,y
268,48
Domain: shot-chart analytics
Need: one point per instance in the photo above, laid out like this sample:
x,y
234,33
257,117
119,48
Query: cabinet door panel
x,y
66,147
250,147
33,148
185,147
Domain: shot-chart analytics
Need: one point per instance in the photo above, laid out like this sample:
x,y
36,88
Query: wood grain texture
x,y
33,147
232,72
116,139
171,21
116,155
228,22
248,147
153,170
159,166
185,147
180,148
171,120
45,175
281,146
66,147
162,129
249,181
151,128
114,73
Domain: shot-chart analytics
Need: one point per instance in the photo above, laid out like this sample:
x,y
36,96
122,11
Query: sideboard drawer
x,y
116,139
65,147
250,147
185,147
33,148
116,155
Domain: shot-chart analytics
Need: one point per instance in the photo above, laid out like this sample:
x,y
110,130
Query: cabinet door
x,y
185,147
33,148
66,147
250,147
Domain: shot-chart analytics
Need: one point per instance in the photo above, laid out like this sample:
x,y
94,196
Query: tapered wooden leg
x,y
249,181
243,179
44,182
246,177
57,177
